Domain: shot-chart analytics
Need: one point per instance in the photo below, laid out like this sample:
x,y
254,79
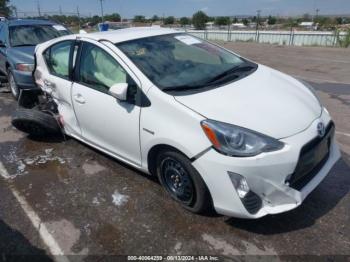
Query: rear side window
x,y
57,58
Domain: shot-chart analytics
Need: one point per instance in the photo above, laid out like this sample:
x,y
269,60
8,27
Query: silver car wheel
x,y
13,85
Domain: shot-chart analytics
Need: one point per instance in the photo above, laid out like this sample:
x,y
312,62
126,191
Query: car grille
x,y
312,158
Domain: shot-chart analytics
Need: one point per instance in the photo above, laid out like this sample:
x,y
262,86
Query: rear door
x,y
106,122
54,75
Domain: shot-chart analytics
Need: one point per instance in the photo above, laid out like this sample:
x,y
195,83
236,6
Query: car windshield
x,y
181,61
31,35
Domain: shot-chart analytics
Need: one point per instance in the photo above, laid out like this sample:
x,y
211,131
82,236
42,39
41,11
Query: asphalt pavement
x,y
62,197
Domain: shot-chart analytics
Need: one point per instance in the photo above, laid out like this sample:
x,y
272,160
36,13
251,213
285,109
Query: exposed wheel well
x,y
153,153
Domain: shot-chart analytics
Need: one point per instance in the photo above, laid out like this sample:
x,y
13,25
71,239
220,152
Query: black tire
x,y
35,123
200,202
12,85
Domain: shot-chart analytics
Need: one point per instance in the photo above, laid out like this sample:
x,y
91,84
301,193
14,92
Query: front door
x,y
106,122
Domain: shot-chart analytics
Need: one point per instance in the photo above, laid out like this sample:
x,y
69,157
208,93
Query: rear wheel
x,y
13,85
182,181
35,123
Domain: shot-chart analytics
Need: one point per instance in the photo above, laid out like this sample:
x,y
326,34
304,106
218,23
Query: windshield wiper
x,y
183,88
240,68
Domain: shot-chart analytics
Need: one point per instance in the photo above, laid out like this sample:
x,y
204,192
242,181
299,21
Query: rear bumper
x,y
24,80
266,175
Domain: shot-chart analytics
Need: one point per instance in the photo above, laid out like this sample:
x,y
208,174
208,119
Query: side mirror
x,y
119,91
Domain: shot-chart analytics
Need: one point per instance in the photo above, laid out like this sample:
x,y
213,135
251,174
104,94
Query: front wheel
x,y
13,85
182,181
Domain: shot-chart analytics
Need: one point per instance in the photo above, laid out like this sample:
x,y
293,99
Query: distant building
x,y
308,25
209,25
238,25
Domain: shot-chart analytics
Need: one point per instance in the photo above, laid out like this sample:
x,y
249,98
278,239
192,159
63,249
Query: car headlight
x,y
238,141
312,90
25,67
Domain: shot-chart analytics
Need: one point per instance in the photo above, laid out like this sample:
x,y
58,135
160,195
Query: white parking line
x,y
44,233
342,133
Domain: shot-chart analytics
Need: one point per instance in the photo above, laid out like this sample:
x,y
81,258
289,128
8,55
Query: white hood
x,y
267,101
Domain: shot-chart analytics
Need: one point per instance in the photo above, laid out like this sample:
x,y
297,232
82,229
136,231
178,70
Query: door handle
x,y
79,98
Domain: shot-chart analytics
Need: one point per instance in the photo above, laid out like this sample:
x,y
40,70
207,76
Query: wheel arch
x,y
153,153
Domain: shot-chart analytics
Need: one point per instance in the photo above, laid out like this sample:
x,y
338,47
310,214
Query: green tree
x,y
271,20
185,21
170,20
222,20
307,17
139,19
95,20
5,8
235,20
291,22
113,17
339,20
245,21
343,41
155,18
199,19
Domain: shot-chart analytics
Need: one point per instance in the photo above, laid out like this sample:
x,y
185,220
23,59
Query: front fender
x,y
167,122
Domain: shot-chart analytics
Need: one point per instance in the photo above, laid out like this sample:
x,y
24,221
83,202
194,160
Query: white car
x,y
217,129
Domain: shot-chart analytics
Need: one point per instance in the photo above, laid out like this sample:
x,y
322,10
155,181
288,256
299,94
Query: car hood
x,y
22,54
267,101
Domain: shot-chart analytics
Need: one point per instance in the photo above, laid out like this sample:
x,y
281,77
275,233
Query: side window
x,y
99,70
57,58
2,33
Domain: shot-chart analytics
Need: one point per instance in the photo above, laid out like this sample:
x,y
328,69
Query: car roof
x,y
127,34
16,22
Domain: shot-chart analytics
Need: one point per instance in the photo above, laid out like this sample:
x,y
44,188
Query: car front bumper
x,y
266,174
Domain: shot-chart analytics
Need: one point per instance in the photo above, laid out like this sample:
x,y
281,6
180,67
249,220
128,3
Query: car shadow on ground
x,y
14,246
321,201
59,138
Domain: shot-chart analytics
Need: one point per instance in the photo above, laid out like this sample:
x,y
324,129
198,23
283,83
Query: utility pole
x,y
60,10
39,11
317,11
78,17
102,10
257,24
258,12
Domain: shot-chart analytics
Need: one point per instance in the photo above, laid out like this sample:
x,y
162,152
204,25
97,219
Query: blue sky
x,y
129,8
